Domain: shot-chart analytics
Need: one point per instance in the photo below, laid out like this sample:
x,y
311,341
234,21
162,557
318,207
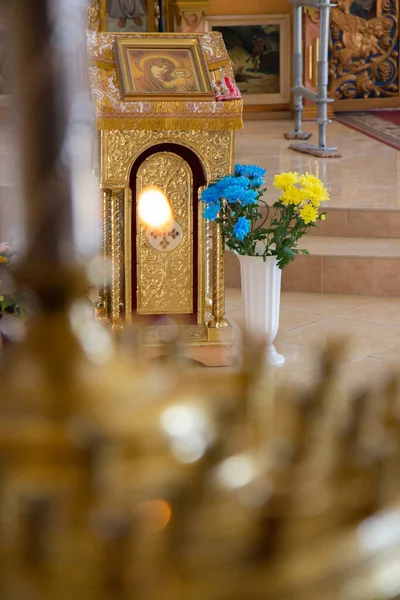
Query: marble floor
x,y
371,327
366,176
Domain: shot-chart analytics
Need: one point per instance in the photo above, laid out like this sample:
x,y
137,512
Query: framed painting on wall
x,y
259,47
150,67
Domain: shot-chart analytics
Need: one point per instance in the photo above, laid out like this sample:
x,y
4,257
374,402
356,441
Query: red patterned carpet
x,y
382,125
393,116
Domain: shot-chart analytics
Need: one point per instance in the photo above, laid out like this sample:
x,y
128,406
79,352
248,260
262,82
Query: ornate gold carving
x,y
106,249
310,61
315,65
201,261
165,279
128,253
196,333
103,303
364,54
218,305
121,148
207,262
192,17
191,334
93,21
117,258
312,13
190,12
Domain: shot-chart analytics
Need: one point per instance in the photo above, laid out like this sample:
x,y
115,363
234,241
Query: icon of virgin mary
x,y
157,75
126,9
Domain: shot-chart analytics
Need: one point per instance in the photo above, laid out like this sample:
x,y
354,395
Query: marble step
x,y
338,265
358,222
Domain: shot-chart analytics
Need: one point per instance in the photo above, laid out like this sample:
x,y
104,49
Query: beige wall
x,y
249,7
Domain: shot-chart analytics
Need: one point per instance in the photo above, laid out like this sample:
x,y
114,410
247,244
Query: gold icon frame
x,y
133,50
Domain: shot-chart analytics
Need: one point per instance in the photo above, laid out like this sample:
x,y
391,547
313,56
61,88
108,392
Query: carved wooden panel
x,y
165,257
363,62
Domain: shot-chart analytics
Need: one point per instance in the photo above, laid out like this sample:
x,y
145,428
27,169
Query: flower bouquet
x,y
234,202
264,245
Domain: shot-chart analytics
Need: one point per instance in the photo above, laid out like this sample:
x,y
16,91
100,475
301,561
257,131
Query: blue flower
x,y
234,193
242,228
249,197
225,182
257,182
240,170
217,190
250,171
211,211
242,181
211,194
229,180
254,172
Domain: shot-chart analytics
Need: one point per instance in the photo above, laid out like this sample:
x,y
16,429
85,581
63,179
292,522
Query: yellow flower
x,y
1,298
314,189
316,194
3,259
285,180
313,197
292,195
308,179
309,214
323,217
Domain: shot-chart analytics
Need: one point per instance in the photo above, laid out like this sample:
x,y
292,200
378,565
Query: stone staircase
x,y
355,251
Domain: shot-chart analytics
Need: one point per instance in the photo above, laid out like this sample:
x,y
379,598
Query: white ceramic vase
x,y
261,292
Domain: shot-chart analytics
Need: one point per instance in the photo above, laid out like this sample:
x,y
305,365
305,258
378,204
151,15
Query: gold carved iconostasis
x,y
363,56
161,127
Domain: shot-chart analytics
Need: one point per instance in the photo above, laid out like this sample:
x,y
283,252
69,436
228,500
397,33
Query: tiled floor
x,y
371,325
367,175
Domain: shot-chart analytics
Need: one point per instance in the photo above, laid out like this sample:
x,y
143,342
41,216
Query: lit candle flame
x,y
154,208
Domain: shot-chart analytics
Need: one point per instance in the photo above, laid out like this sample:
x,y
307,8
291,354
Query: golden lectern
x,y
160,126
